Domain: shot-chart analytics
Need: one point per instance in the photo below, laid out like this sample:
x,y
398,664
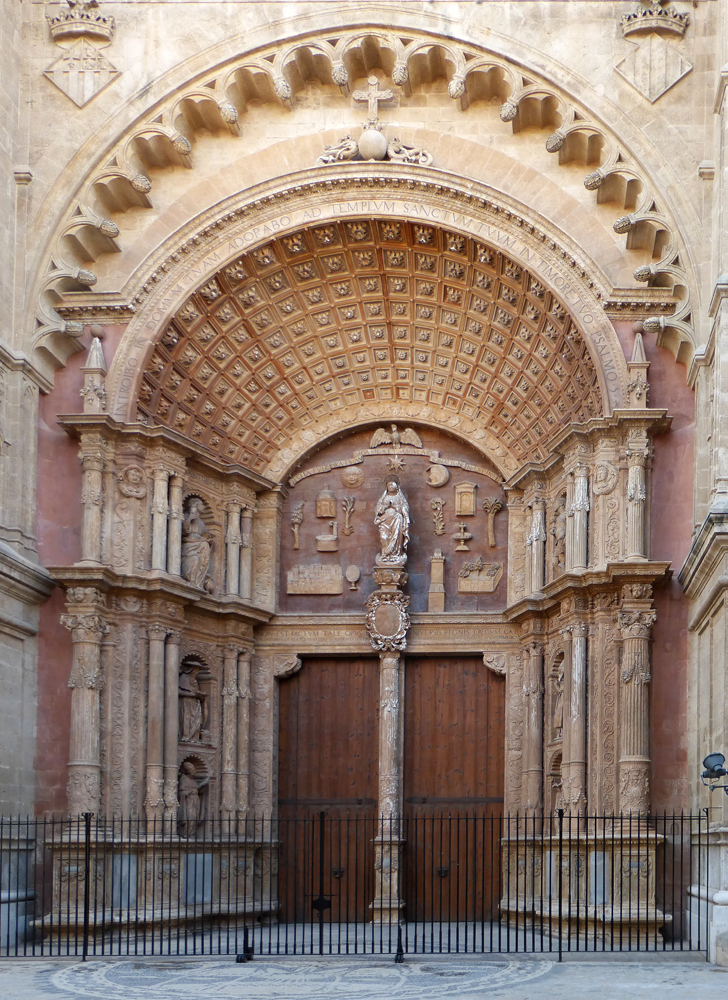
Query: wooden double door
x,y
328,786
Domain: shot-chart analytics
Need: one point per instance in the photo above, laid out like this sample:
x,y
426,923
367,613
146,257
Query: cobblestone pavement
x,y
359,979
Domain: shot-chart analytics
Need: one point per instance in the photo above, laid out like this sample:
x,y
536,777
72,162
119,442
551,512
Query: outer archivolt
x,y
350,313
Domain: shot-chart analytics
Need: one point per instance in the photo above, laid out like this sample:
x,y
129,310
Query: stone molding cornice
x,y
23,580
77,424
707,552
587,584
157,585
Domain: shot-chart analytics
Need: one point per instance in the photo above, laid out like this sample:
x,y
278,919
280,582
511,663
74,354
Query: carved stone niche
x,y
193,786
200,543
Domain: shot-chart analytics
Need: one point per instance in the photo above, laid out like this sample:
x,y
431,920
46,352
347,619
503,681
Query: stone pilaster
x,y
233,541
634,724
580,508
243,734
174,526
92,463
246,555
574,752
533,689
86,680
637,455
230,694
538,546
171,723
160,510
266,535
154,802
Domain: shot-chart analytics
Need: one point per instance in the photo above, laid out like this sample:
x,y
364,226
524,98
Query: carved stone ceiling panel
x,y
350,313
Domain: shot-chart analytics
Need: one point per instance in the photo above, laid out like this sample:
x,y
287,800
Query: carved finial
x,y
638,351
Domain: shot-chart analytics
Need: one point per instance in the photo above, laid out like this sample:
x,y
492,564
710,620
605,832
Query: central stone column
x,y
154,802
387,623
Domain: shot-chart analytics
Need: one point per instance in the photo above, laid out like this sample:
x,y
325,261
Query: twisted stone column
x,y
154,803
174,529
580,508
91,500
533,735
86,680
171,724
244,699
230,692
636,500
160,509
233,541
634,729
246,555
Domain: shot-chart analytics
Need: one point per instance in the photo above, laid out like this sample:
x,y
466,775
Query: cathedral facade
x,y
361,427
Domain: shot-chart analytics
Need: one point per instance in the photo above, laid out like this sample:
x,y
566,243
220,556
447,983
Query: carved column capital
x,y
158,632
85,628
580,630
174,637
636,624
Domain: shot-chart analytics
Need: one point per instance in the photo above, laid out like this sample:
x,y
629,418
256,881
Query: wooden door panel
x,y
453,786
328,762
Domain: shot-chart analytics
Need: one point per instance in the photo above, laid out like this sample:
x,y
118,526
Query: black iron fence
x,y
338,883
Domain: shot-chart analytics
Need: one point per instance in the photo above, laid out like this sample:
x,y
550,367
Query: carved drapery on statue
x,y
196,548
392,518
192,704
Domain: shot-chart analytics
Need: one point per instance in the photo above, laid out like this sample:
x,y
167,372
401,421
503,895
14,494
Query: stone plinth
x,y
155,884
596,886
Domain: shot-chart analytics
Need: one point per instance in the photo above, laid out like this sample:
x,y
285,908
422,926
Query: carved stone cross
x,y
373,97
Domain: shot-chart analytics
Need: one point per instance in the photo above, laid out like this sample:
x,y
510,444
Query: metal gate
x,y
342,885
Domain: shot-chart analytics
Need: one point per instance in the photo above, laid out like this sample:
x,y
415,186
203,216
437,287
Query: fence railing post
x,y
86,881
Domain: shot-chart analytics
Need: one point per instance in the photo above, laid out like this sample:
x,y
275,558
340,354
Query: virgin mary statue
x,y
393,520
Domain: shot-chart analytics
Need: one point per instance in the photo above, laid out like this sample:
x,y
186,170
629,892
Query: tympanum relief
x,y
381,518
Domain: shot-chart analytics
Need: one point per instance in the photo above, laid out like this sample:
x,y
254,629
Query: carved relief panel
x,y
328,528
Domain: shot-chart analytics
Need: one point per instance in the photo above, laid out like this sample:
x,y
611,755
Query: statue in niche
x,y
392,518
195,547
558,714
192,704
190,803
558,531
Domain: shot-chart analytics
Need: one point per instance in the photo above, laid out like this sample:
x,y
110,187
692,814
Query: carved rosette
x,y
387,620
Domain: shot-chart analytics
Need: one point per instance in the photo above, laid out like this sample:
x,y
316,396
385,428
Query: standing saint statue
x,y
192,704
392,518
195,546
190,805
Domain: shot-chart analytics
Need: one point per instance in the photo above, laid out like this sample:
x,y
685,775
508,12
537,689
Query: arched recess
x,y
217,96
327,308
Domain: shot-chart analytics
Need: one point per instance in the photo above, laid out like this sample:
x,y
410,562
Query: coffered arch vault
x,y
366,317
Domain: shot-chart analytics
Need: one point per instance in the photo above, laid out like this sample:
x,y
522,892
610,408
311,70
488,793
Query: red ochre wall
x,y
58,528
671,527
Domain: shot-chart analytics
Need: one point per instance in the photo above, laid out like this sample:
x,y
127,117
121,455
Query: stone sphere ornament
x,y
372,145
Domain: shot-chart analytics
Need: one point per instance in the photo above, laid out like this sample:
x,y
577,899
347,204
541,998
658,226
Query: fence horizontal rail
x,y
345,881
